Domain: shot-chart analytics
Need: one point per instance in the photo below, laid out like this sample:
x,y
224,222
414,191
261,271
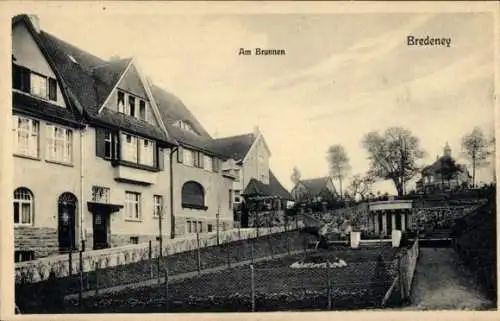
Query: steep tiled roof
x,y
315,185
235,147
274,188
172,109
91,80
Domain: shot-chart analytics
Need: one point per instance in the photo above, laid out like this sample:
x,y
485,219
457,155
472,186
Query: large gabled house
x,y
248,161
95,163
199,183
435,178
314,189
47,137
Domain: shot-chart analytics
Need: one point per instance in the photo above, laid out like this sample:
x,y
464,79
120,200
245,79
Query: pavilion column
x,y
375,222
384,222
403,221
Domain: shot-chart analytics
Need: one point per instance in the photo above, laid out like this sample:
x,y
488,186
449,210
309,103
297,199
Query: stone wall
x,y
39,270
41,240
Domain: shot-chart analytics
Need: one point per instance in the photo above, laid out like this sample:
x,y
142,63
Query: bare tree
x,y
361,185
338,163
295,175
393,155
475,147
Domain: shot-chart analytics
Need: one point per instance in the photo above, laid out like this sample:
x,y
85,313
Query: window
x,y
142,110
207,163
59,144
237,195
194,226
209,228
121,102
146,152
100,194
185,125
193,196
26,133
33,83
133,205
134,240
23,206
157,205
237,175
39,85
108,144
188,157
131,106
23,255
138,150
215,164
129,148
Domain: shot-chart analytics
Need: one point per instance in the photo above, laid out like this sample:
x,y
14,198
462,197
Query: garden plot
x,y
359,283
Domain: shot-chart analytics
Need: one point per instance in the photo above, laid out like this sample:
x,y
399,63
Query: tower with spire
x,y
447,150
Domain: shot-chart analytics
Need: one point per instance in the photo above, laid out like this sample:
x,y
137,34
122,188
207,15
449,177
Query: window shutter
x,y
179,155
100,134
26,79
52,89
161,159
15,123
17,77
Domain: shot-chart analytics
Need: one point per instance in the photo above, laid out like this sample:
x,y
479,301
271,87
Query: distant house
x,y
315,189
432,176
248,162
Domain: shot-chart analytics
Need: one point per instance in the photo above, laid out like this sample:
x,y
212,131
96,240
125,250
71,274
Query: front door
x,y
100,226
66,227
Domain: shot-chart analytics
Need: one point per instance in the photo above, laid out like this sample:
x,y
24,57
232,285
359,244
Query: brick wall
x,y
41,240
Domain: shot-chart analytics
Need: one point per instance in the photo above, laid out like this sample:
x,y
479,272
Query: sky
x,y
343,76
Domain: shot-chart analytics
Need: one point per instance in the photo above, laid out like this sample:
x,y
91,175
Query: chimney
x,y
35,21
256,130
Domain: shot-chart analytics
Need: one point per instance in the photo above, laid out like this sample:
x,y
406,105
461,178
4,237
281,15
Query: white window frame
x,y
146,153
39,85
129,148
133,206
157,205
208,163
29,130
28,199
188,157
194,226
59,144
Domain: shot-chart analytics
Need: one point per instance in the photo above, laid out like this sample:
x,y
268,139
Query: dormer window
x,y
127,104
184,125
33,83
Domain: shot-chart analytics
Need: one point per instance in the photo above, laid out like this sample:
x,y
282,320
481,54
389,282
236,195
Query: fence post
x,y
252,286
329,282
70,262
166,288
80,294
159,269
251,250
150,256
228,254
198,257
96,278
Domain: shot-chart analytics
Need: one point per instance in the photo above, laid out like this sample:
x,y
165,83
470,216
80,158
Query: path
x,y
442,282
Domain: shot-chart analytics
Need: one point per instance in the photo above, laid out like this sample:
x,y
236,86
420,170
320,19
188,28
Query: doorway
x,y
100,225
67,203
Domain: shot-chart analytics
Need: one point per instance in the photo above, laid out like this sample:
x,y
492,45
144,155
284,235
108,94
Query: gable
x,y
330,186
130,86
26,53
